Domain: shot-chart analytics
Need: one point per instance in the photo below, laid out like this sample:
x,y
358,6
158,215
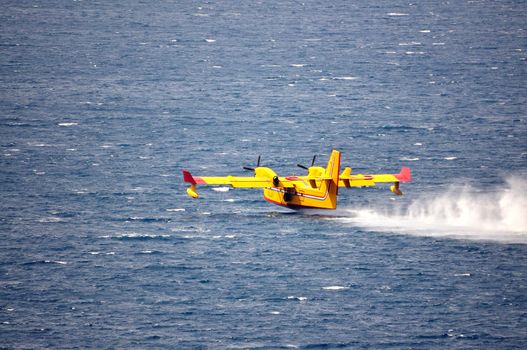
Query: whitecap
x,y
450,158
221,189
141,235
210,40
176,209
335,288
38,144
68,124
346,78
298,65
409,159
58,262
412,43
50,219
397,14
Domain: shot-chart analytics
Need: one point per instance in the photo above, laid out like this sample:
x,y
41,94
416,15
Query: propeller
x,y
312,163
257,165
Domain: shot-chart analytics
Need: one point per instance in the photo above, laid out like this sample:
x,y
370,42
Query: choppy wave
x,y
138,236
461,212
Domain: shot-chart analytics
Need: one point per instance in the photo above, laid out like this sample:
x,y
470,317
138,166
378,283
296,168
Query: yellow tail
x,y
330,184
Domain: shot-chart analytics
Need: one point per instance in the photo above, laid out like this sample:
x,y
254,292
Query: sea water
x,y
104,103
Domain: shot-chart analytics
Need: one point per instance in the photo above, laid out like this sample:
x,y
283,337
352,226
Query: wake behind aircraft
x,y
318,189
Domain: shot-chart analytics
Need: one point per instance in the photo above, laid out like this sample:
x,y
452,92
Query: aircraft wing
x,y
235,181
364,180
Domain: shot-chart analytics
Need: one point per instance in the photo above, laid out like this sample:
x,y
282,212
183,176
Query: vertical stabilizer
x,y
330,184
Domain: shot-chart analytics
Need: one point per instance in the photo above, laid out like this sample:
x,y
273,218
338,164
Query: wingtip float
x,y
318,189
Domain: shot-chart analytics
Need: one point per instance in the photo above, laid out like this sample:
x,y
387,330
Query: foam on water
x,y
221,189
335,288
460,212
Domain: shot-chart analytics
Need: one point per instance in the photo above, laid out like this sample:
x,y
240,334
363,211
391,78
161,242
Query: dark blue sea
x,y
103,103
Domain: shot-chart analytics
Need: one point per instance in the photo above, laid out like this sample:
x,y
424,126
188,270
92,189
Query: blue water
x,y
103,103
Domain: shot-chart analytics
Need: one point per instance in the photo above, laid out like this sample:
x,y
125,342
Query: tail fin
x,y
333,168
191,191
331,181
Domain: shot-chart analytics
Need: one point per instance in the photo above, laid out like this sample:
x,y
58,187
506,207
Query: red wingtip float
x,y
317,189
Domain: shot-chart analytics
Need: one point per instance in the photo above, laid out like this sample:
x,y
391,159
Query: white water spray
x,y
461,212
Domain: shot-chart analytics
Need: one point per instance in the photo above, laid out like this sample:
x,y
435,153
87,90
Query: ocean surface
x,y
103,103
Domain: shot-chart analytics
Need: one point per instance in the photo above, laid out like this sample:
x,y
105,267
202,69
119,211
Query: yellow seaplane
x,y
318,189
